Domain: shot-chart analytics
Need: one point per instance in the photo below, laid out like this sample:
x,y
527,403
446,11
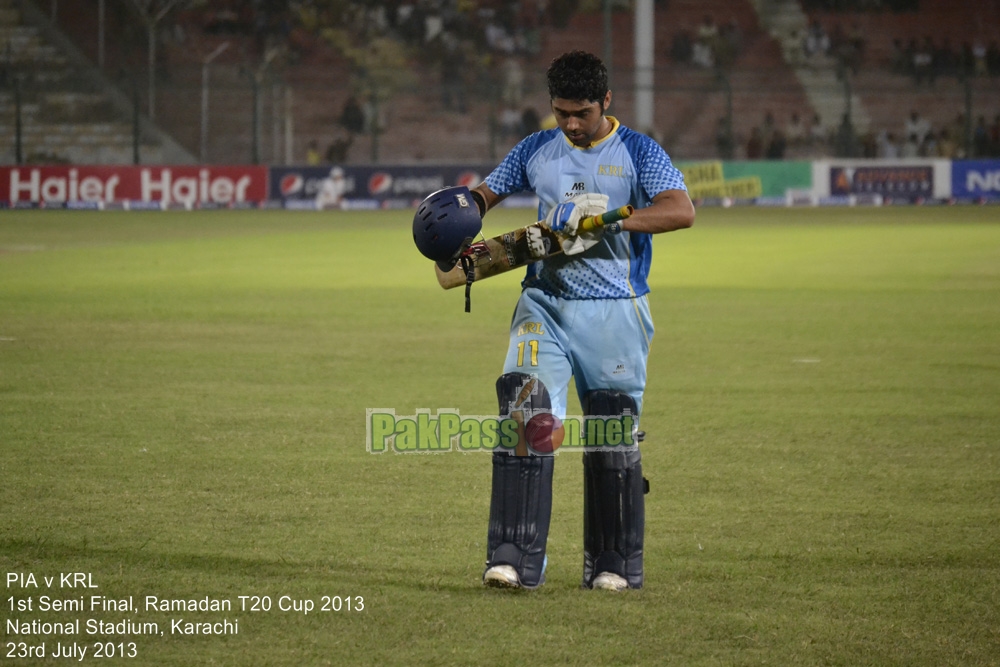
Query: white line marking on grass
x,y
6,339
23,247
805,361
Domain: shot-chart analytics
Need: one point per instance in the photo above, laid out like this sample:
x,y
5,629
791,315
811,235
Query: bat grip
x,y
614,215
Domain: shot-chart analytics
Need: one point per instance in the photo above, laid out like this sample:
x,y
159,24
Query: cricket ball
x,y
544,433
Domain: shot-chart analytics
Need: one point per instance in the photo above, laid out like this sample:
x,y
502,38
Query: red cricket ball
x,y
544,433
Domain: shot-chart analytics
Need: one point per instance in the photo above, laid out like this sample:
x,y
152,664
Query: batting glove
x,y
564,219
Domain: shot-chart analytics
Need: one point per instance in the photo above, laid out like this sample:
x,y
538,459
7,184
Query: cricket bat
x,y
510,250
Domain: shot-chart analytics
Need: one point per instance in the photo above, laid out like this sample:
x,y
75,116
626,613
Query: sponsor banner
x,y
894,181
707,180
390,186
167,186
973,179
717,179
906,179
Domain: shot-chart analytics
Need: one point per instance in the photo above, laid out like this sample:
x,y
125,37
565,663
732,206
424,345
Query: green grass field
x,y
182,415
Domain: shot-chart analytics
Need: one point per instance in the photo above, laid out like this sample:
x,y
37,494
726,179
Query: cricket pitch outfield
x,y
183,417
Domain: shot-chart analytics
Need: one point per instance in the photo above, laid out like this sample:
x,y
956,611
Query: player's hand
x,y
564,219
561,216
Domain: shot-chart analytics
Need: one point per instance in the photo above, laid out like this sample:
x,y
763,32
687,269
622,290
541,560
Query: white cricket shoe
x,y
502,576
609,581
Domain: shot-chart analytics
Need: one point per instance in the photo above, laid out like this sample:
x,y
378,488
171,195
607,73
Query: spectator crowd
x,y
479,50
915,137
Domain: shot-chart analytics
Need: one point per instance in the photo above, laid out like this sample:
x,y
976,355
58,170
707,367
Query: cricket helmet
x,y
445,224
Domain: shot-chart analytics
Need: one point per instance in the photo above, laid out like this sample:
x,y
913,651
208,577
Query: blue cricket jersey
x,y
628,167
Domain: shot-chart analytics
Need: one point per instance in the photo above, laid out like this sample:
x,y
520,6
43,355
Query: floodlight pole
x,y
644,20
136,129
608,37
204,97
100,33
289,126
145,8
18,129
256,79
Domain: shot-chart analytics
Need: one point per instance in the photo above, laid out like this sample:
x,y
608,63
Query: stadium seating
x,y
64,118
890,94
300,93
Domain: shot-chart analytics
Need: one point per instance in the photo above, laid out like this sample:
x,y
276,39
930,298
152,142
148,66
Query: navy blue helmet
x,y
445,224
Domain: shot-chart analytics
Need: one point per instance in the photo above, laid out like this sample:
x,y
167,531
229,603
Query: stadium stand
x,y
68,114
314,78
286,70
952,85
64,117
689,102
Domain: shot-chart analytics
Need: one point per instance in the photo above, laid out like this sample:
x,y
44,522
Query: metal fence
x,y
231,114
696,115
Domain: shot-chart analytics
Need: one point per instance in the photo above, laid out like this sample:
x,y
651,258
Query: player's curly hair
x,y
578,75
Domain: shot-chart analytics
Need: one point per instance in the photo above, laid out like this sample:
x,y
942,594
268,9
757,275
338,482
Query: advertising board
x,y
104,185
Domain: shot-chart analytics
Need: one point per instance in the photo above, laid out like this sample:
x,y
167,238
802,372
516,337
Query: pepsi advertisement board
x,y
975,179
379,187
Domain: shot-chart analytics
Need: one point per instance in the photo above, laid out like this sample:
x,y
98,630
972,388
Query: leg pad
x,y
614,514
520,509
521,499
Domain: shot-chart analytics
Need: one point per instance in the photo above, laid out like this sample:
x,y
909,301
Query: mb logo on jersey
x,y
616,370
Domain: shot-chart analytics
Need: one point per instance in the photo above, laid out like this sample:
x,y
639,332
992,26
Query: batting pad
x,y
614,508
521,499
520,509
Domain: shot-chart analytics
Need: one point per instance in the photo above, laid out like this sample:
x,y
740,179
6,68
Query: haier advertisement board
x,y
162,186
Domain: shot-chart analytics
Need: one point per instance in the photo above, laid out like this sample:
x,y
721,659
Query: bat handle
x,y
614,215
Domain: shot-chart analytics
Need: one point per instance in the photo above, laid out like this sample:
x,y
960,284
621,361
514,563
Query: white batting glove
x,y
572,240
564,219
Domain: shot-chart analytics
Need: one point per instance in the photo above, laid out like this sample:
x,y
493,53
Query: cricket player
x,y
332,189
582,314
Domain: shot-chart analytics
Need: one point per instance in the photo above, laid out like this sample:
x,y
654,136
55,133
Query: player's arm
x,y
669,211
485,198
